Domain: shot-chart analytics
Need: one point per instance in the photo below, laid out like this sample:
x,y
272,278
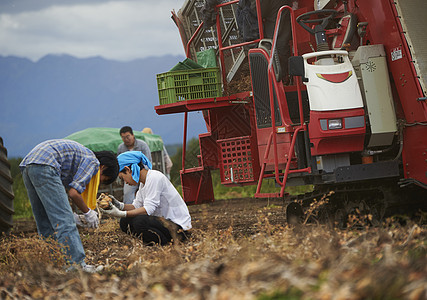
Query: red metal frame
x,y
187,51
275,145
207,103
221,48
273,137
236,162
197,185
414,152
407,89
295,129
388,31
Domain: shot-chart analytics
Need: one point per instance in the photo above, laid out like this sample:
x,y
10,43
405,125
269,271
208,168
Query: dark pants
x,y
153,230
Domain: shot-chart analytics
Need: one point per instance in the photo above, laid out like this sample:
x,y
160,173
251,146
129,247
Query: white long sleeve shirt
x,y
160,198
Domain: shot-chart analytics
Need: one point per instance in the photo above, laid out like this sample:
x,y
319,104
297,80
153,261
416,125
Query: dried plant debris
x,y
242,83
239,249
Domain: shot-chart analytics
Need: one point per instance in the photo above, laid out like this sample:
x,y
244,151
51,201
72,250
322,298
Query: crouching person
x,y
158,215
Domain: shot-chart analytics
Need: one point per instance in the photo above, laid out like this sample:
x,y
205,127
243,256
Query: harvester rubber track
x,y
379,199
6,192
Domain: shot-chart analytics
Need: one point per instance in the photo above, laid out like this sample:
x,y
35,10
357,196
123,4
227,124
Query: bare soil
x,y
239,249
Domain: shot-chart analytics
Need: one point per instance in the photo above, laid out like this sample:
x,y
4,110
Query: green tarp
x,y
100,139
186,64
207,58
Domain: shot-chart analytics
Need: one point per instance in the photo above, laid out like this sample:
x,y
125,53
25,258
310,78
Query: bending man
x,y
158,214
46,170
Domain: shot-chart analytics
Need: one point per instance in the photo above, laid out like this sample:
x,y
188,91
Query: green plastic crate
x,y
184,85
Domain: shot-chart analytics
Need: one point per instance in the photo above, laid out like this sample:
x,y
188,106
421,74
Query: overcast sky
x,y
116,29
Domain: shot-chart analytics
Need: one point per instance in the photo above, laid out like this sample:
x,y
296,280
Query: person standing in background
x,y
130,143
166,158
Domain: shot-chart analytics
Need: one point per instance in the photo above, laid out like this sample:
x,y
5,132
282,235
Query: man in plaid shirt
x,y
46,170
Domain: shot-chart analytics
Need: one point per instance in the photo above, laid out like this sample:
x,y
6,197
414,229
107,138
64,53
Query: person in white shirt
x,y
158,214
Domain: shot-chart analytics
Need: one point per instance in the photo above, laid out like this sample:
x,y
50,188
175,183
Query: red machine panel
x,y
330,141
236,165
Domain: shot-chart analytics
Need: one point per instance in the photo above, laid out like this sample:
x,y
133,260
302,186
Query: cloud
x,y
121,30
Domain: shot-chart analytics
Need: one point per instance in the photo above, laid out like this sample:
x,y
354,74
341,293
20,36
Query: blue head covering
x,y
132,159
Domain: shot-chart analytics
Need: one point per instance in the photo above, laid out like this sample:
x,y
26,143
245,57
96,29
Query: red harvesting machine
x,y
324,93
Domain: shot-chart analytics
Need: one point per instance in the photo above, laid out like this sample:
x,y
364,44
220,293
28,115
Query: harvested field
x,y
239,249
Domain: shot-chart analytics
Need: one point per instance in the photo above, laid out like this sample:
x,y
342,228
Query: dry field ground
x,y
239,249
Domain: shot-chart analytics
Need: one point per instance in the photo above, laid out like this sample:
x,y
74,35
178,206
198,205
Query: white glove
x,y
117,203
92,219
114,212
79,221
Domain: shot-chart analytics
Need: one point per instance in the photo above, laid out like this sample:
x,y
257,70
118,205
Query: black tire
x,y
6,192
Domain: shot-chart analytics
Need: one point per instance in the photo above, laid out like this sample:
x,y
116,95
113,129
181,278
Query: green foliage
x,y
228,192
292,294
190,160
21,202
14,166
172,148
268,186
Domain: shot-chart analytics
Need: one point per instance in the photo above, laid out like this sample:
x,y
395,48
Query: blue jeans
x,y
51,209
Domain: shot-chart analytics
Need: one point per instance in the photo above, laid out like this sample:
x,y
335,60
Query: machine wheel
x,y
6,192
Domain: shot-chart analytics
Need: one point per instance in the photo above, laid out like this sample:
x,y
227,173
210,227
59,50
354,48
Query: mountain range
x,y
60,94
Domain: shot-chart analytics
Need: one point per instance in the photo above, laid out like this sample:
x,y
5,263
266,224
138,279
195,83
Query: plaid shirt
x,y
75,163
